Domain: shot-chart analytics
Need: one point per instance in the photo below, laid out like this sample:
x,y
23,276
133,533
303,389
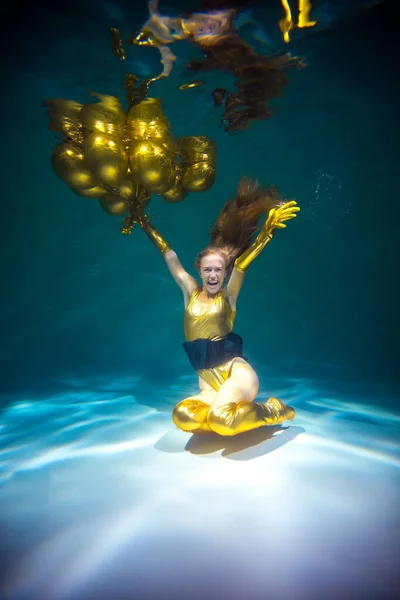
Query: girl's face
x,y
212,273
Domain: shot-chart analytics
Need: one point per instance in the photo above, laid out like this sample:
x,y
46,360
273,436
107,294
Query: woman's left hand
x,y
278,216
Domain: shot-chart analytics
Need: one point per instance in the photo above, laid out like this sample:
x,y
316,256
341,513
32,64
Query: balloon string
x,y
141,198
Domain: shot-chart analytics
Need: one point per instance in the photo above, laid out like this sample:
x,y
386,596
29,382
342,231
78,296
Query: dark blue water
x,y
91,324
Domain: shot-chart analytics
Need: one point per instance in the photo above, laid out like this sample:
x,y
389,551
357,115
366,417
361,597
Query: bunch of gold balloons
x,y
122,158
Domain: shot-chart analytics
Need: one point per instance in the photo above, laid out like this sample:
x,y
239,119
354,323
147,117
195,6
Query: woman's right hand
x,y
139,215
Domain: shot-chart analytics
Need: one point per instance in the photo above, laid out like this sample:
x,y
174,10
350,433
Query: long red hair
x,y
237,223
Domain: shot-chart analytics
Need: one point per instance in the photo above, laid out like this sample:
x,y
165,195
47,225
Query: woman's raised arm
x,y
276,218
186,282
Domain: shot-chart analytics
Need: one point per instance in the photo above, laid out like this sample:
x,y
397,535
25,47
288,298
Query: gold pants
x,y
193,416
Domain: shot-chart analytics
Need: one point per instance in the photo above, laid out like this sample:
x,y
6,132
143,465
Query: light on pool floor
x,y
102,497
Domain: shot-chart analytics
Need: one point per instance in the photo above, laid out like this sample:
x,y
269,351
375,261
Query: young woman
x,y
228,384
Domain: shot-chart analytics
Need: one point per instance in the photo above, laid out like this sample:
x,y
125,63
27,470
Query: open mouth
x,y
213,284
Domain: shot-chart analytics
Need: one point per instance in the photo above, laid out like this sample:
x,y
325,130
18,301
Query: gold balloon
x,y
175,194
152,167
197,149
113,205
106,157
149,109
146,121
64,116
127,189
168,144
69,164
106,116
157,127
148,129
161,137
199,177
95,192
122,159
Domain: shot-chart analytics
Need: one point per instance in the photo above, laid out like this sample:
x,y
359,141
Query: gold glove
x,y
160,243
276,218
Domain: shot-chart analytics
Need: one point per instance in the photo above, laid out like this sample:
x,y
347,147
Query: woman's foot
x,y
281,412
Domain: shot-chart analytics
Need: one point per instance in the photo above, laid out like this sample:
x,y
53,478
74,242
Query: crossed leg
x,y
230,409
241,385
191,414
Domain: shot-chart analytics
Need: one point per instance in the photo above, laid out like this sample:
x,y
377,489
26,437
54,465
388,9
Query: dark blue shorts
x,y
206,354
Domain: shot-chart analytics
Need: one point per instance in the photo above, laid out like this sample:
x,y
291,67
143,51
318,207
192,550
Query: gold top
x,y
216,322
